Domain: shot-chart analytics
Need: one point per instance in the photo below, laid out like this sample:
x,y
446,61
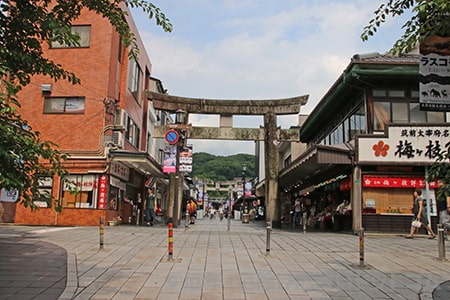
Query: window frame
x,y
82,42
48,109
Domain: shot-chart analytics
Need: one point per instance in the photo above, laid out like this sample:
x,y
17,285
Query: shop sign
x,y
435,74
345,185
120,170
414,144
396,182
8,196
102,191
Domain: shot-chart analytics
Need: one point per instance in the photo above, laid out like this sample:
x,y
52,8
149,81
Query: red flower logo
x,y
380,148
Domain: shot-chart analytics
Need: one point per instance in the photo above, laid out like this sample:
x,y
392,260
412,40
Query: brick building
x,y
103,125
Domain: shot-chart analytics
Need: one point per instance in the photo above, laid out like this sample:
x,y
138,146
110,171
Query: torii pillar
x,y
270,134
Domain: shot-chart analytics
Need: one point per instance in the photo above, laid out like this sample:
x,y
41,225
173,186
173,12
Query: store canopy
x,y
315,165
142,162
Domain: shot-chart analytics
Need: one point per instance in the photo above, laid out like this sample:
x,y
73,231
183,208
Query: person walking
x,y
150,206
419,215
297,212
443,206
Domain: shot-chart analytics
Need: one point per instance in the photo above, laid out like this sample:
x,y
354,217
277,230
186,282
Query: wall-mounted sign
x,y
415,144
396,182
434,69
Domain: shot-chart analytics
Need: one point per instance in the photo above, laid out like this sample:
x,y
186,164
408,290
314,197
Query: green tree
x,y
429,18
25,26
222,168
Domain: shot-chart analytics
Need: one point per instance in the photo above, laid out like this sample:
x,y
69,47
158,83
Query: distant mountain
x,y
222,168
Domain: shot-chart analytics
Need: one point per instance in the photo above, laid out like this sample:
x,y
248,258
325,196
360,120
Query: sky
x,y
258,49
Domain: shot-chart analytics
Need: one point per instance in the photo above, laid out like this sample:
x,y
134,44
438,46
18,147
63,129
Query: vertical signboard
x,y
170,159
434,83
102,191
186,159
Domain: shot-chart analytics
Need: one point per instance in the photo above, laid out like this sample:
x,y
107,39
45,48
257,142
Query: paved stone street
x,y
210,262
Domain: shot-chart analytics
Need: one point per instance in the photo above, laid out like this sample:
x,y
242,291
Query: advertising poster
x,y
186,159
170,159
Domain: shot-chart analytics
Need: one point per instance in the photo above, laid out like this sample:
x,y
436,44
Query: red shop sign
x,y
396,182
102,191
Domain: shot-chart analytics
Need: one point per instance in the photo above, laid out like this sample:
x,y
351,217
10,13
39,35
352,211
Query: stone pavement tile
x,y
358,295
191,293
147,293
212,296
233,293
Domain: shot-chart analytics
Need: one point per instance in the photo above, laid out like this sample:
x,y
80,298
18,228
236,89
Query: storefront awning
x,y
315,165
140,161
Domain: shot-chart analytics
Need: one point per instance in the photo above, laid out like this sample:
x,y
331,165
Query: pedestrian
x,y
419,215
192,211
297,212
221,212
150,206
443,206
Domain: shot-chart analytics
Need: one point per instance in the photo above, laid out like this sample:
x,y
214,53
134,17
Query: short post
x,y
304,222
441,242
268,230
186,225
102,231
228,221
138,216
361,247
170,241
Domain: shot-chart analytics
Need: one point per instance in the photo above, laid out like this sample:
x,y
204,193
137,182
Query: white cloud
x,y
259,49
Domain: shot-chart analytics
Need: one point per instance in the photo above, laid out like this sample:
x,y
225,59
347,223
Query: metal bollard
x,y
228,221
186,225
361,247
137,216
304,223
170,241
441,242
268,229
102,232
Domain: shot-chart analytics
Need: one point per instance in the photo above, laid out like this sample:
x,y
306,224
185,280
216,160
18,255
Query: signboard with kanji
x,y
415,144
434,70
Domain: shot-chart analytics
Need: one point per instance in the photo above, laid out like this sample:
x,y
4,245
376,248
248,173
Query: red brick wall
x,y
68,216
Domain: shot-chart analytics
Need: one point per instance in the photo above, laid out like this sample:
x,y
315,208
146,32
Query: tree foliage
x,y
429,18
25,26
222,168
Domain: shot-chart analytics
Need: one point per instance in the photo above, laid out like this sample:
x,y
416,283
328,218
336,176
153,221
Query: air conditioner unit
x,y
120,119
118,139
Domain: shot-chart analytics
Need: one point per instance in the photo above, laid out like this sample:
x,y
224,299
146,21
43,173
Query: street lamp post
x,y
244,169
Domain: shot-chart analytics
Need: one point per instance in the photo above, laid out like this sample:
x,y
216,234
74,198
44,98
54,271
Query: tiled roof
x,y
385,58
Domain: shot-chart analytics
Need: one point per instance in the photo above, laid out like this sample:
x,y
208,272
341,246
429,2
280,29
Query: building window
x,y
84,34
133,133
287,161
357,122
382,115
135,76
44,191
397,107
79,191
64,105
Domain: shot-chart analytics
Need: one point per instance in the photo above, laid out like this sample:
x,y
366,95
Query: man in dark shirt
x,y
150,206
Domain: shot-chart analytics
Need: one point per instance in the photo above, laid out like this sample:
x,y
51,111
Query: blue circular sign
x,y
171,136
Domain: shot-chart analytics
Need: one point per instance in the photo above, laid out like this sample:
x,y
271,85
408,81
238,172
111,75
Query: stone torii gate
x,y
270,133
